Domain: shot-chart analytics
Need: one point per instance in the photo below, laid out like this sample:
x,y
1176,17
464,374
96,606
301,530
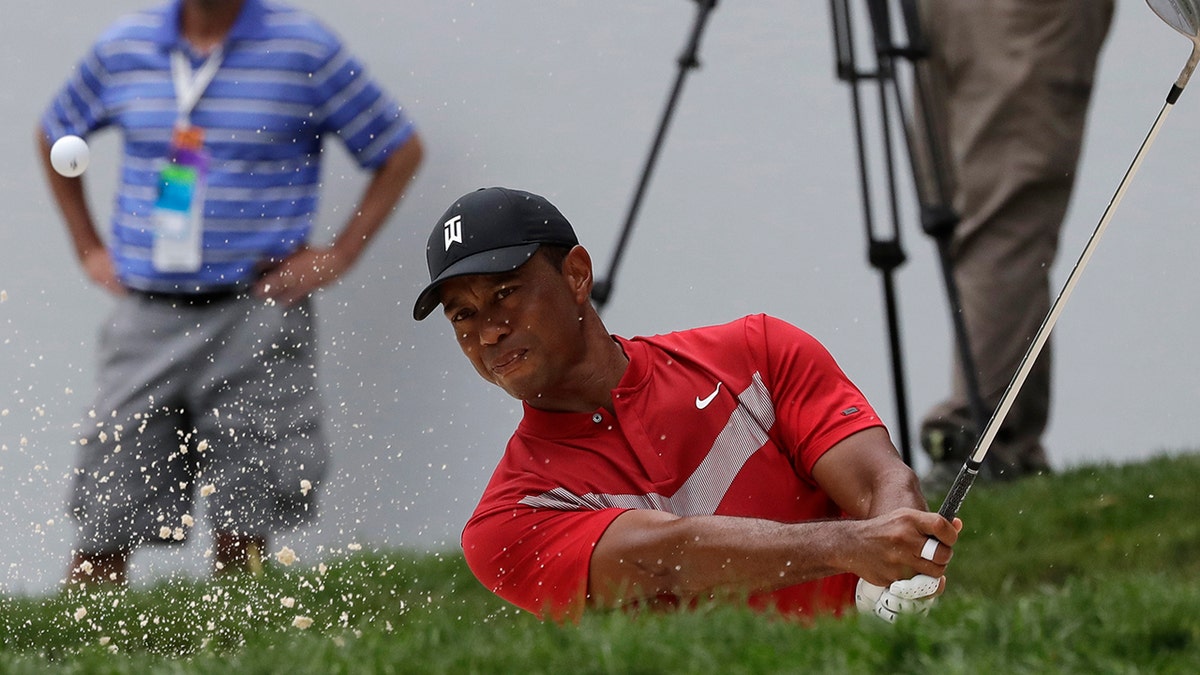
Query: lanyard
x,y
190,86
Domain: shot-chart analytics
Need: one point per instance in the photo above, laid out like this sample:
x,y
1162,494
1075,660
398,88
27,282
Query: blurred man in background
x,y
207,362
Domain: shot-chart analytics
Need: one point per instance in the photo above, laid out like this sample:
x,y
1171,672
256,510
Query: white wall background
x,y
754,207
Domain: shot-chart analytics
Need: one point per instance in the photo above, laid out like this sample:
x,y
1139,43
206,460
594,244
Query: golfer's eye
x,y
505,291
459,315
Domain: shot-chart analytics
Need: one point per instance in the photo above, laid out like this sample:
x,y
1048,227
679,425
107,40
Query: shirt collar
x,y
248,24
639,364
547,424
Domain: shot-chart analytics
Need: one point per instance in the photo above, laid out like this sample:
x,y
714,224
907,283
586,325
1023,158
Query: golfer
x,y
732,462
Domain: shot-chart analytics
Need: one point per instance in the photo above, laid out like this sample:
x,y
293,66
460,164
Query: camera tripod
x,y
922,146
929,165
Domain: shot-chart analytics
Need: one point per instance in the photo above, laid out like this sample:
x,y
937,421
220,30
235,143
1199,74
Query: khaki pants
x,y
1010,83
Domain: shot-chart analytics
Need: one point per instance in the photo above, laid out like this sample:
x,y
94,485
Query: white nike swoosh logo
x,y
702,403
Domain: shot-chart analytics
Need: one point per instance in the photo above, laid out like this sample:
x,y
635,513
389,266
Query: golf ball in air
x,y
69,156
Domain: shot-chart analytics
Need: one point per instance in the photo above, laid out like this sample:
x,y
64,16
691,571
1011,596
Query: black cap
x,y
489,231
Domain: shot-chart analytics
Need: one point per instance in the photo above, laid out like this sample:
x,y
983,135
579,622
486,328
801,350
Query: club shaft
x,y
958,491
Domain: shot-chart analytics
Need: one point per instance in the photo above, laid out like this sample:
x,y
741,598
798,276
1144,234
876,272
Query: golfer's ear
x,y
577,270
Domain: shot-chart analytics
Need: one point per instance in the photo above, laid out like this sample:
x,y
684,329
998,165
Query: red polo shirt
x,y
725,420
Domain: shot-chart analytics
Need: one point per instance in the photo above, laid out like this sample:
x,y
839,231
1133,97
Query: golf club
x,y
1183,16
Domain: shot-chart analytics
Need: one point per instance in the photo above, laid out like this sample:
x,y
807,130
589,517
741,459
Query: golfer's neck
x,y
206,23
590,383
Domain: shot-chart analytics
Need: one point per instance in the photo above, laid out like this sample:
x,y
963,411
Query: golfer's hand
x,y
906,596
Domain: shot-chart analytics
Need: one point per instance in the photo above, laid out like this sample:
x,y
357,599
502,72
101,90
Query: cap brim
x,y
496,261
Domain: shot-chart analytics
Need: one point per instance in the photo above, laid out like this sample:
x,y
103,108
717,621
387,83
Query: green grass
x,y
1091,571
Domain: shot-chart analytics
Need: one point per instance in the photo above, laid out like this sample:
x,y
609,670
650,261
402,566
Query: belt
x,y
204,297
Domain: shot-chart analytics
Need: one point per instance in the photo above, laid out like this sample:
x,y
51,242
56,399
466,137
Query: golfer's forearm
x,y
864,476
892,491
700,556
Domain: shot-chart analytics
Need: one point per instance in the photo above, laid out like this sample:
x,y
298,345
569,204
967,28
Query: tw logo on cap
x,y
452,231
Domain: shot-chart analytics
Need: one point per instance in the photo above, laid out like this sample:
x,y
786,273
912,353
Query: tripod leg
x,y
603,288
893,320
883,254
934,178
979,411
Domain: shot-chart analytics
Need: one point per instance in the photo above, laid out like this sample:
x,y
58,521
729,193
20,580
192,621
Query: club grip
x,y
958,491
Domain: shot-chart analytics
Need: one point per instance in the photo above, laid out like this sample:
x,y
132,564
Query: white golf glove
x,y
906,596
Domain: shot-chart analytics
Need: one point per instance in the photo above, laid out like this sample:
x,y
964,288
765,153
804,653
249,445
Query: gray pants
x,y
1011,82
215,401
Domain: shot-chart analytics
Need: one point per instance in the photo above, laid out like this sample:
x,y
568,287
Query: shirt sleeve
x,y
536,558
816,404
79,107
370,123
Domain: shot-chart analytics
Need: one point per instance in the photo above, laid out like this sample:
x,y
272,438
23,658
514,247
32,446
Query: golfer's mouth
x,y
508,362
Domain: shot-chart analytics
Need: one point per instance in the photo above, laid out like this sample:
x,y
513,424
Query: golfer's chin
x,y
525,390
522,380
514,385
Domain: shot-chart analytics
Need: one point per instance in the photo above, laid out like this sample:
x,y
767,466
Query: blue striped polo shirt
x,y
285,83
